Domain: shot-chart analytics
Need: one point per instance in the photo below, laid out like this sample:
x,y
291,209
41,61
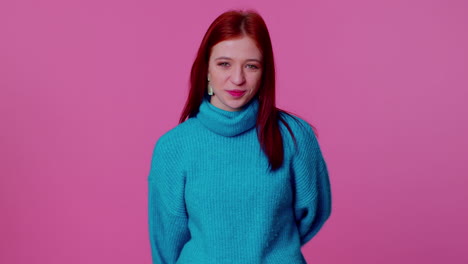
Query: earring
x,y
210,89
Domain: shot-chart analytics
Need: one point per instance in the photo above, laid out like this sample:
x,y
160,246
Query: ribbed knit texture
x,y
212,199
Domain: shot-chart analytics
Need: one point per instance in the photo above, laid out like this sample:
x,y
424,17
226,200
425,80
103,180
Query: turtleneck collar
x,y
228,123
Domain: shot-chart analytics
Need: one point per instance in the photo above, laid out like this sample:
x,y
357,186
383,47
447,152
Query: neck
x,y
228,123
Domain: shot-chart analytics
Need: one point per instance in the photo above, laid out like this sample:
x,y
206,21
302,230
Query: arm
x,y
167,216
312,196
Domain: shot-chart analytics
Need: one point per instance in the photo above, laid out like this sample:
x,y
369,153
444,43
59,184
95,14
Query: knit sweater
x,y
212,199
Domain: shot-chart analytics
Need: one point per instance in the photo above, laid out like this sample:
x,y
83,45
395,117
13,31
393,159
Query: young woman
x,y
237,180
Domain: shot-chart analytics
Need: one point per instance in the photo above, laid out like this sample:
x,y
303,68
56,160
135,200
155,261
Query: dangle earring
x,y
210,89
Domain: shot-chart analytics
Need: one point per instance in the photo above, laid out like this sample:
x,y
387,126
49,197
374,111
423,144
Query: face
x,y
234,71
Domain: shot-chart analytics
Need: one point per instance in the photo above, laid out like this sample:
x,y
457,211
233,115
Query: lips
x,y
236,93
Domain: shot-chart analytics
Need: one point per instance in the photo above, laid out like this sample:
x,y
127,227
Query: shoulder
x,y
175,139
298,125
301,134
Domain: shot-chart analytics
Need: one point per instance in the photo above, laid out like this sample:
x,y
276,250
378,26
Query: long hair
x,y
235,24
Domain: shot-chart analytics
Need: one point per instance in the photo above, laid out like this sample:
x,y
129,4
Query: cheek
x,y
255,80
219,76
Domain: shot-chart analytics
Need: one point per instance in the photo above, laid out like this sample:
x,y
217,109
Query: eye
x,y
251,66
223,64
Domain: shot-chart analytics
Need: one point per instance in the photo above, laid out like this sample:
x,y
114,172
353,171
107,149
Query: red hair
x,y
236,24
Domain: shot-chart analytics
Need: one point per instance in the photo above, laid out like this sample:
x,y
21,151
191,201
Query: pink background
x,y
87,87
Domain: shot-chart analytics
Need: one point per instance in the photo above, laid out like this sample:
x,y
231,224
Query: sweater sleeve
x,y
312,193
167,215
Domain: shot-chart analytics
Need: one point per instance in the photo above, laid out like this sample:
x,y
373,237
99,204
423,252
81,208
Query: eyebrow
x,y
227,58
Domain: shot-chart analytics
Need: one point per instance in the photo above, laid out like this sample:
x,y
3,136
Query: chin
x,y
235,104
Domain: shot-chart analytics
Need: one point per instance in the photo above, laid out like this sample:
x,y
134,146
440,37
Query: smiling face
x,y
234,71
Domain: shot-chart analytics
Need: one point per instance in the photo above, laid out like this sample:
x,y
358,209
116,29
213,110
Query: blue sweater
x,y
212,199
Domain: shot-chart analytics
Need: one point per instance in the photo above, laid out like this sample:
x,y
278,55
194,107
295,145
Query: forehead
x,y
238,48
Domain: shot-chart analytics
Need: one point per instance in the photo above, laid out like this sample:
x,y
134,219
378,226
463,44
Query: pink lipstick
x,y
236,93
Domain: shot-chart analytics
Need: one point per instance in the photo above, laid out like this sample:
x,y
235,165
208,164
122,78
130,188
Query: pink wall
x,y
87,87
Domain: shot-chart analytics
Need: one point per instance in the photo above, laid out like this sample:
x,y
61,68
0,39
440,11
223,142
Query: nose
x,y
237,76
